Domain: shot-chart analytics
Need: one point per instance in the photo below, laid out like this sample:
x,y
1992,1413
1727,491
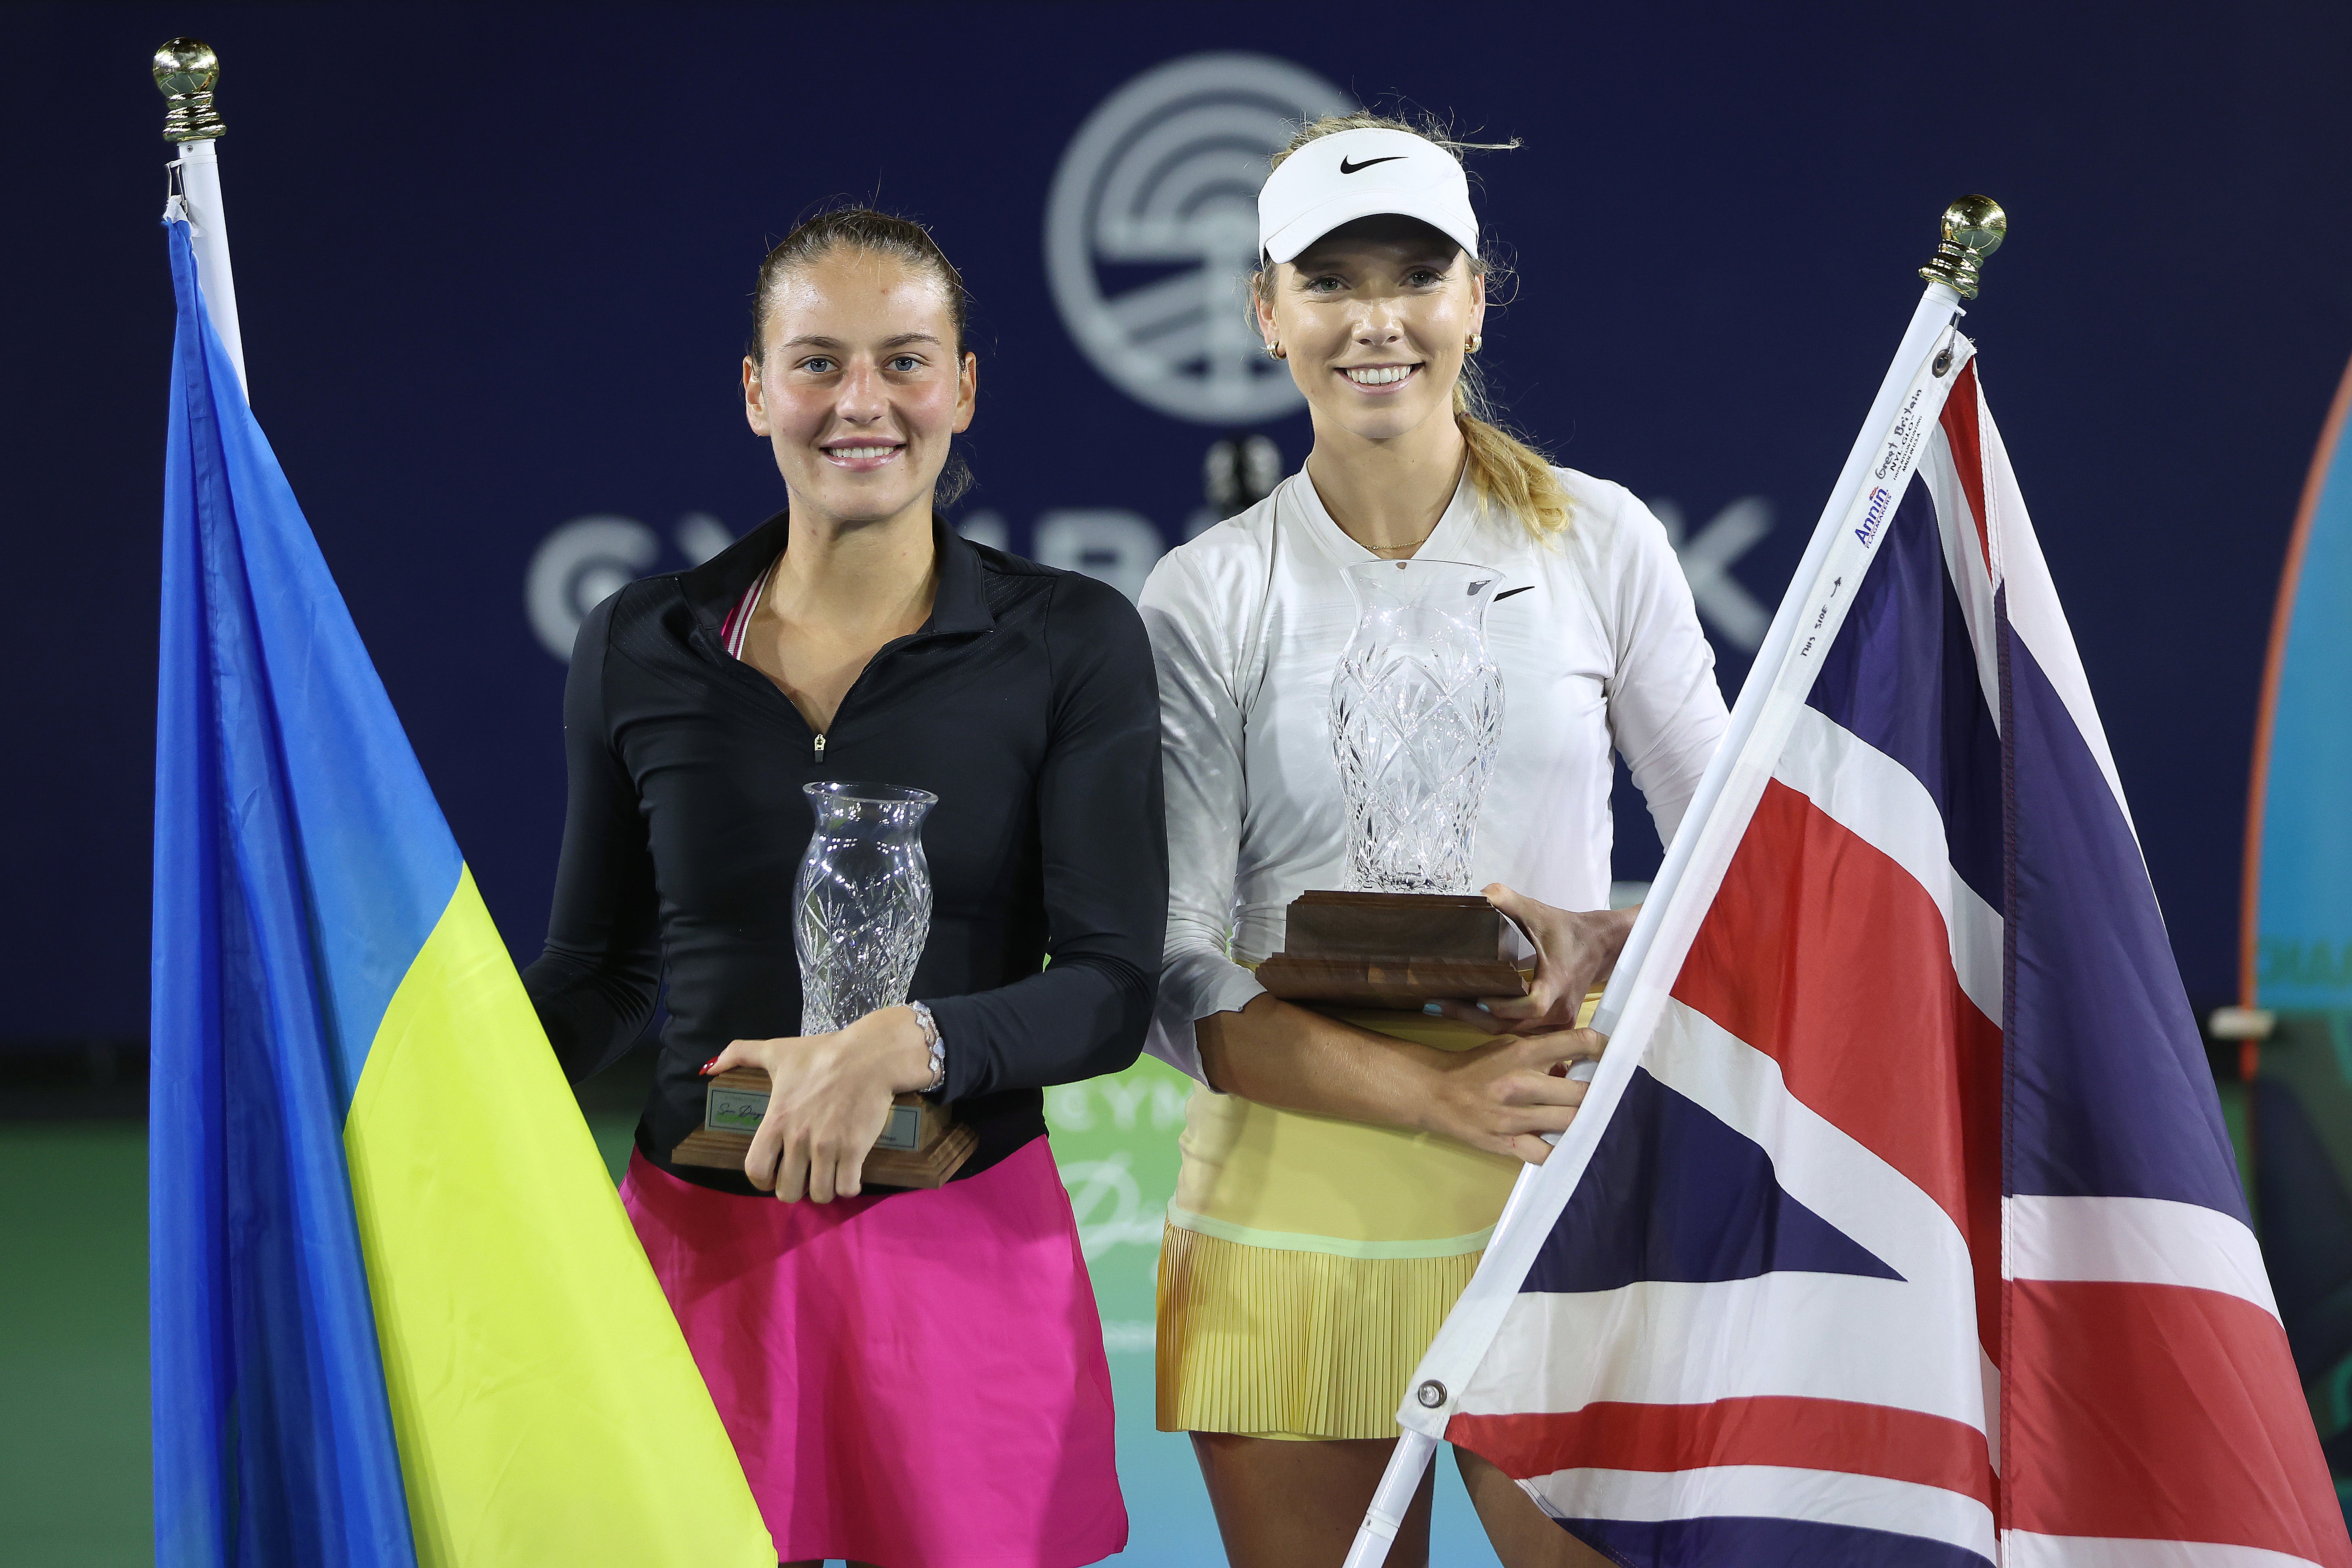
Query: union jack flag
x,y
1901,1224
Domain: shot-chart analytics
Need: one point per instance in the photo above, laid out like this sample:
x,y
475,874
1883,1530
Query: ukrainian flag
x,y
398,1315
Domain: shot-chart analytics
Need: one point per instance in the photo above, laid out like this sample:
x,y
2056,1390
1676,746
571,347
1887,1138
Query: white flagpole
x,y
185,70
1938,308
1951,276
1394,1495
1972,230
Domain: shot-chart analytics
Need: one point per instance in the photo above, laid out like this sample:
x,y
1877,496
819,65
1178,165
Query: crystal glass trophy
x,y
861,914
862,909
1416,710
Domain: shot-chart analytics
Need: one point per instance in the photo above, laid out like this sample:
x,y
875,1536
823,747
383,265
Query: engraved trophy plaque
x,y
861,913
1416,710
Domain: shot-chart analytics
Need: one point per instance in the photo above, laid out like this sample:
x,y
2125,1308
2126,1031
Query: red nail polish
x,y
705,1068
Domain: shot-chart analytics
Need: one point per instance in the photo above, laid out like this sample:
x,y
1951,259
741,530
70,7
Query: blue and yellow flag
x,y
397,1313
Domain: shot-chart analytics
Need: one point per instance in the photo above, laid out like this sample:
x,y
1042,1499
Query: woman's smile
x,y
862,456
1379,380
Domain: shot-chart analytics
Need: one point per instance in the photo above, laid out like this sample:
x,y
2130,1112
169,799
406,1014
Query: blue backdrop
x,y
493,266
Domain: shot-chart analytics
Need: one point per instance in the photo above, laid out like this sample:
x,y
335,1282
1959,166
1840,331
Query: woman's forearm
x,y
591,1012
1083,1016
1293,1059
1504,1097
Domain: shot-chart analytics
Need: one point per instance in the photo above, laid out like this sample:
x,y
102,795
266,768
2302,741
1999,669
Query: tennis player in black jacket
x,y
908,1376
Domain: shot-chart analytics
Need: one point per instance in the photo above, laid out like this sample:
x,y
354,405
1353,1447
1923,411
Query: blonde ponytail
x,y
1505,472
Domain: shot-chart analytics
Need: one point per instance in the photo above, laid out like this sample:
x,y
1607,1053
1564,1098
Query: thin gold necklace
x,y
1390,552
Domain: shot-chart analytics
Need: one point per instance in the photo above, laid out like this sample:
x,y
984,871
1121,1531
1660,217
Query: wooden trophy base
x,y
922,1145
1392,950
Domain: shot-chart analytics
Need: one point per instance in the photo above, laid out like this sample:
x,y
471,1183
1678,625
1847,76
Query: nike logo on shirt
x,y
1348,168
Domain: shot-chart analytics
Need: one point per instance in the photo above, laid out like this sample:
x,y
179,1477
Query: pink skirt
x,y
915,1381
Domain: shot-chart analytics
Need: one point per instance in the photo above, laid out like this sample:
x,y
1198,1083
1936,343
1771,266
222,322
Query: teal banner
x,y
2301,947
2293,1120
1115,1141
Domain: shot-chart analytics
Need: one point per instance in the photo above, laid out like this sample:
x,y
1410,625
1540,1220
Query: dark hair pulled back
x,y
879,234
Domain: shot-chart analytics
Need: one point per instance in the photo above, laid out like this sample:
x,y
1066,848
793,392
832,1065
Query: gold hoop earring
x,y
1276,351
1470,345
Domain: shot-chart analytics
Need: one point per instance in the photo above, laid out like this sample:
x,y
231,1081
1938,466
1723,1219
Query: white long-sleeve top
x,y
1247,622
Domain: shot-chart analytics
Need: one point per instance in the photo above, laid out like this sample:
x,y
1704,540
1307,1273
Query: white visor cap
x,y
1349,174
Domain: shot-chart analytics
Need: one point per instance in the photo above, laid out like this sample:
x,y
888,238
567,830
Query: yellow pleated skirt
x,y
1293,1344
1307,1262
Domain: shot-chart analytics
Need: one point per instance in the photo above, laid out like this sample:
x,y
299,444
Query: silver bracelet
x,y
936,1045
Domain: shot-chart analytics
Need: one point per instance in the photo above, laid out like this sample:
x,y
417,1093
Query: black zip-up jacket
x,y
1026,703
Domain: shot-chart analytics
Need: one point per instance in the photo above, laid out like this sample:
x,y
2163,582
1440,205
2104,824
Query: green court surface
x,y
75,1486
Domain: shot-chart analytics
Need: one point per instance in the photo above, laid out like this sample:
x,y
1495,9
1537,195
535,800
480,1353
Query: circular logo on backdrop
x,y
1152,230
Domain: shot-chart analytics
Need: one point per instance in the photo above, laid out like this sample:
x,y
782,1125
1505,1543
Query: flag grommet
x,y
1430,1393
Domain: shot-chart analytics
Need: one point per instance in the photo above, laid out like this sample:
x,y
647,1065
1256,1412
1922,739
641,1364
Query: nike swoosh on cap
x,y
1348,168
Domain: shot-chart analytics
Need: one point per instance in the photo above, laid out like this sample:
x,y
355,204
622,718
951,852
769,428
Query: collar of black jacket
x,y
960,605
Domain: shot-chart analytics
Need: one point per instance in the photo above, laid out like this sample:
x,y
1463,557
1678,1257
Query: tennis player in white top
x,y
1373,290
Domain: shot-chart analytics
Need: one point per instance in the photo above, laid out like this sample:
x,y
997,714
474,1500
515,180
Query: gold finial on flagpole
x,y
185,70
1974,228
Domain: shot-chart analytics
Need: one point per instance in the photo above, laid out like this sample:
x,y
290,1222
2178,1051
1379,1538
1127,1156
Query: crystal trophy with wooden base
x,y
1416,710
862,911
